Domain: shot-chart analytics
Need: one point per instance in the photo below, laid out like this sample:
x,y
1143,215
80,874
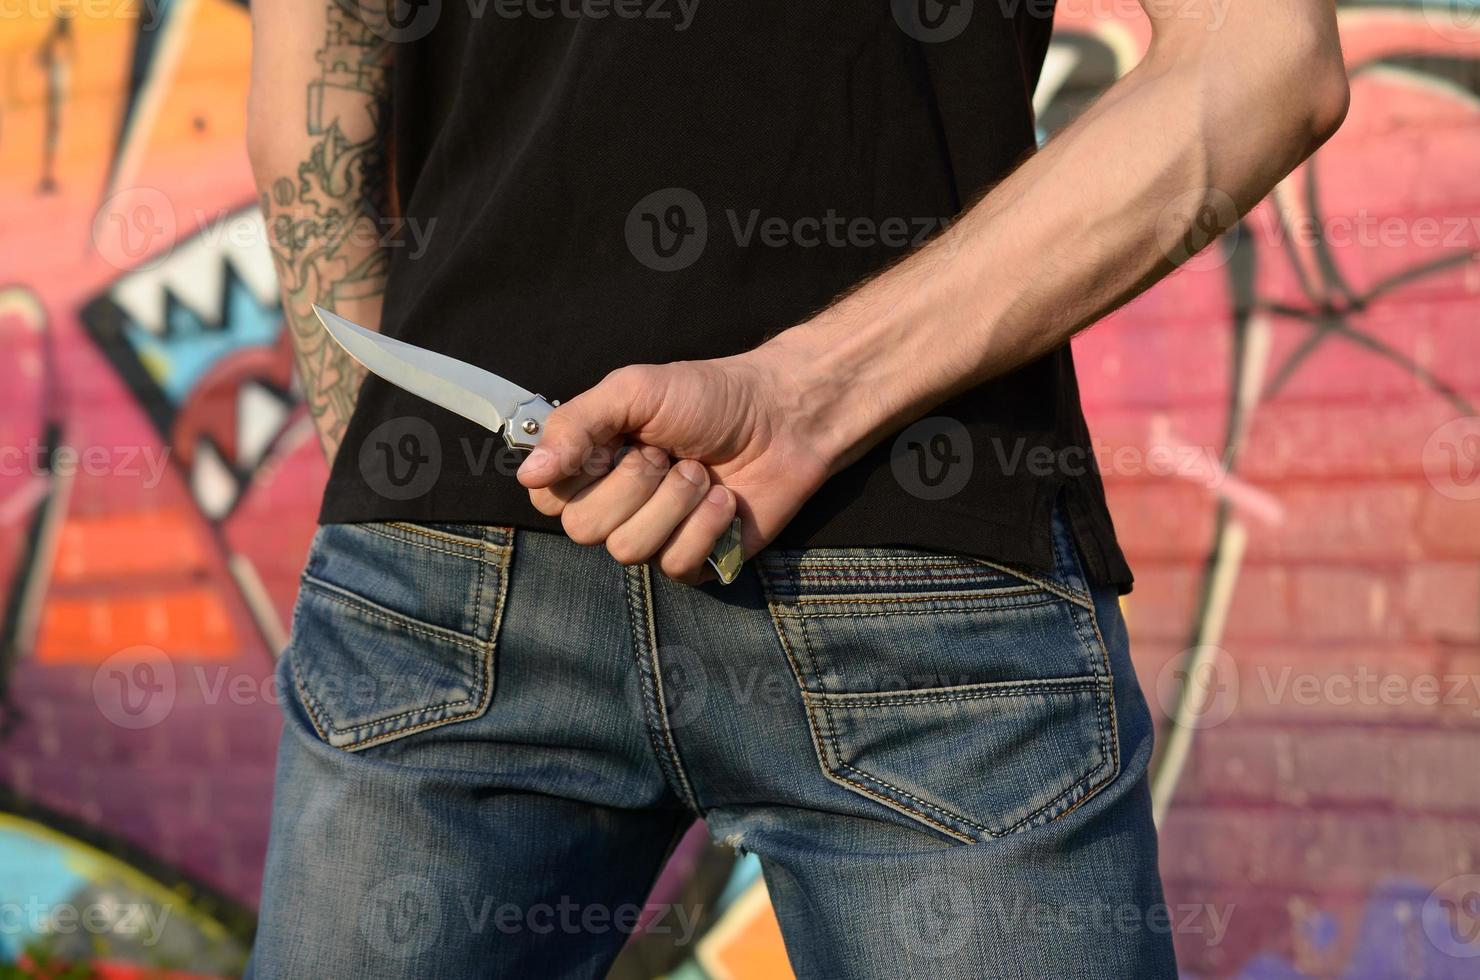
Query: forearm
x,y
319,139
1099,215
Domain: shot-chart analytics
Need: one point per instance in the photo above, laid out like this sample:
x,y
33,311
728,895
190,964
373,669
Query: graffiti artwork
x,y
1317,374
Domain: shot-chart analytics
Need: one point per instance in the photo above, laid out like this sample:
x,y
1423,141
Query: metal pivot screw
x,y
530,427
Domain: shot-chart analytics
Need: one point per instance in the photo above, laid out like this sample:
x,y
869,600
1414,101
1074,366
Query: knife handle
x,y
728,558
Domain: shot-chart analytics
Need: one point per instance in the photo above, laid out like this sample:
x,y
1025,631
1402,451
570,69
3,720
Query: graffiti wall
x,y
1287,428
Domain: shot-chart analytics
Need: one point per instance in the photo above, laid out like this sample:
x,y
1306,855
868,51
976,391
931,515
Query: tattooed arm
x,y
318,133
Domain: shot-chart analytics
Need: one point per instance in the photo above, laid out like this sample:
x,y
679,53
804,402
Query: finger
x,y
619,403
682,557
599,509
551,501
641,535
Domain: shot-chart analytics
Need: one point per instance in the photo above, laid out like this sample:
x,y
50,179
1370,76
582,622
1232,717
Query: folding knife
x,y
483,397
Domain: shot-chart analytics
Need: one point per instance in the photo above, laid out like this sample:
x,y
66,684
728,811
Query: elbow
x,y
1326,101
1314,82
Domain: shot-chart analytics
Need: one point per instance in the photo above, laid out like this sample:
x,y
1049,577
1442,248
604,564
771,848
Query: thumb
x,y
573,431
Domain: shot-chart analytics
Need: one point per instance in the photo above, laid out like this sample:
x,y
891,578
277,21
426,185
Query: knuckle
x,y
677,566
578,527
632,376
623,550
546,503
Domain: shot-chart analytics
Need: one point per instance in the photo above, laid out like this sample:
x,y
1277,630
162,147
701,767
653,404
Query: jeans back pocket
x,y
970,697
395,627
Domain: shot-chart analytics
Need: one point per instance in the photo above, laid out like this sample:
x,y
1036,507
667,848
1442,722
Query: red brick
x,y
1347,604
1338,437
1164,601
1342,521
1262,604
1442,601
1449,528
1162,519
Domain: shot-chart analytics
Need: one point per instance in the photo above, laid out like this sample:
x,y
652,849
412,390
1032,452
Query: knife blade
x,y
483,397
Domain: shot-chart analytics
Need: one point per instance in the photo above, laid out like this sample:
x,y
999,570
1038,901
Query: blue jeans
x,y
494,739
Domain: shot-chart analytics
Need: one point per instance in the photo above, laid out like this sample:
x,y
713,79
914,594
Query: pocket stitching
x,y
480,680
791,565
333,593
1008,689
484,649
833,741
990,832
379,531
985,602
1028,582
813,726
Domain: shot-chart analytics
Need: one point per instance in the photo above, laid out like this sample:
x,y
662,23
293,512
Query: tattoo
x,y
323,223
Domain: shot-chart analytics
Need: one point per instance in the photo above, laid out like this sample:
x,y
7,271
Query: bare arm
x,y
1228,100
1232,95
318,134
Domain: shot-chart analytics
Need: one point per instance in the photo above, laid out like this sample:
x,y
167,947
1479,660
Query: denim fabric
x,y
494,739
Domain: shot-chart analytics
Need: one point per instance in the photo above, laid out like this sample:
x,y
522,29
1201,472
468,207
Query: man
x,y
795,262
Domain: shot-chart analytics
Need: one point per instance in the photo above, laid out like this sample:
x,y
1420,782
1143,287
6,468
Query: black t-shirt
x,y
592,192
